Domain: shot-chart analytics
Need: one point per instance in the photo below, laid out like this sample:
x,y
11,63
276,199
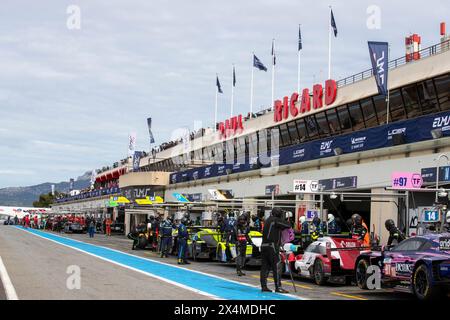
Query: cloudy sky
x,y
70,97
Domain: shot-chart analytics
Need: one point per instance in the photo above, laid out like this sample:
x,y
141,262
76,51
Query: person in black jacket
x,y
239,237
394,232
270,249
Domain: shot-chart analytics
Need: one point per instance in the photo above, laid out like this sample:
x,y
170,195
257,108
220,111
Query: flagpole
x,y
215,108
232,91
387,85
298,72
329,45
251,89
273,73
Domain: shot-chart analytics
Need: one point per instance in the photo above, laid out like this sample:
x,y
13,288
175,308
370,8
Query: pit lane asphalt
x,y
37,268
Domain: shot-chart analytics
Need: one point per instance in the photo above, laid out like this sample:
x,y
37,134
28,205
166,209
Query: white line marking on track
x,y
7,284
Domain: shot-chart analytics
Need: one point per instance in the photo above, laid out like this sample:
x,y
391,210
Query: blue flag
x,y
234,77
333,24
219,88
273,53
258,64
149,125
300,47
379,56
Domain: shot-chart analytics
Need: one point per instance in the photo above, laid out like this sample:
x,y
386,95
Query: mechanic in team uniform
x,y
183,236
230,222
240,237
304,228
316,229
256,223
166,228
394,233
333,227
270,249
360,230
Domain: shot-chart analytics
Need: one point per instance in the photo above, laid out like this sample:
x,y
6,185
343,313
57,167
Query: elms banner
x,y
150,133
379,56
136,160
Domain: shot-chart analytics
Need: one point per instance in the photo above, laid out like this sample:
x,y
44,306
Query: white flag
x,y
93,174
131,144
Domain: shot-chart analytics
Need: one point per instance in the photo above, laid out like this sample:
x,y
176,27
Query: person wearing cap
x,y
270,249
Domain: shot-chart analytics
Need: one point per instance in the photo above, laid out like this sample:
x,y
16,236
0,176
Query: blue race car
x,y
422,263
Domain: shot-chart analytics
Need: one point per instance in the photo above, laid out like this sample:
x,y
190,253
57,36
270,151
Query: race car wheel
x,y
421,284
319,276
361,273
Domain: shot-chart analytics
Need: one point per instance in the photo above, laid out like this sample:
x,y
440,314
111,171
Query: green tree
x,y
45,200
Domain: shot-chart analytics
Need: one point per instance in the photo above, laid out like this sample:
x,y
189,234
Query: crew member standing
x,y
270,249
91,228
394,232
239,237
108,226
360,230
183,236
166,236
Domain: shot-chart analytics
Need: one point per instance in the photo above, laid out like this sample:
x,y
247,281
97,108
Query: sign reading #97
x,y
305,186
406,180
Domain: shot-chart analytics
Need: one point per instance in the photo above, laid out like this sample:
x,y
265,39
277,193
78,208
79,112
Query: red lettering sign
x,y
317,96
306,102
294,99
278,113
231,126
330,91
282,108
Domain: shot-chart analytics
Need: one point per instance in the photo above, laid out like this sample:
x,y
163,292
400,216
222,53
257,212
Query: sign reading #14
x,y
305,186
406,180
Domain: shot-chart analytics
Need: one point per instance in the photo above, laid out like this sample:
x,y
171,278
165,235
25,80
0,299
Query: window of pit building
x,y
396,106
263,141
381,108
322,124
333,121
253,144
241,147
293,132
427,97
230,151
411,100
284,135
356,116
219,150
344,119
442,85
198,154
370,115
311,127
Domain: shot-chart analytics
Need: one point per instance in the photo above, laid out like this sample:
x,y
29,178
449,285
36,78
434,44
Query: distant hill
x,y
24,196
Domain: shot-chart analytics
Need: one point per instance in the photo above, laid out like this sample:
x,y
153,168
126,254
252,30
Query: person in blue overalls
x,y
166,228
183,236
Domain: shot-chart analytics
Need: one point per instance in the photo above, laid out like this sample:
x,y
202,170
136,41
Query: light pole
x,y
437,172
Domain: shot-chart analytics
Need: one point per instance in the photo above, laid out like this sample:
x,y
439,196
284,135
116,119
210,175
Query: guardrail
x,y
424,53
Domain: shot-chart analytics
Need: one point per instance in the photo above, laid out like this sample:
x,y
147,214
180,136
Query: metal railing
x,y
424,53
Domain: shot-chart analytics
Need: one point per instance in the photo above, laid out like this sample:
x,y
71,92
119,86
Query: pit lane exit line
x,y
10,291
206,284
